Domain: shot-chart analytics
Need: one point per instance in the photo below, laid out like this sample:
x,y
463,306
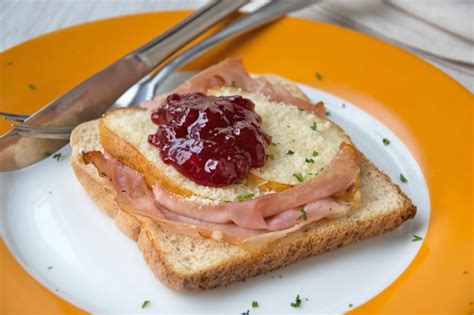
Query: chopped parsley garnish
x,y
319,76
314,126
309,246
315,153
328,113
303,215
385,141
275,143
298,176
246,313
269,157
102,174
290,152
145,304
255,304
403,179
245,196
46,154
416,238
57,156
142,193
297,302
31,86
351,305
309,160
50,267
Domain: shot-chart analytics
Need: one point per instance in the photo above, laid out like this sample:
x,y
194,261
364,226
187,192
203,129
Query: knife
x,y
91,98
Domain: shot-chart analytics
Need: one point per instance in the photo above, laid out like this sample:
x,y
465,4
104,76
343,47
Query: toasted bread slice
x,y
185,263
302,143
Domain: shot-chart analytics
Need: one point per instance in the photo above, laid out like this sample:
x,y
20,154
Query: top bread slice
x,y
186,263
302,143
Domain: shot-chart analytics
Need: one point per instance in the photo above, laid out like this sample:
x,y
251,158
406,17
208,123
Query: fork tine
x,y
43,129
43,132
13,117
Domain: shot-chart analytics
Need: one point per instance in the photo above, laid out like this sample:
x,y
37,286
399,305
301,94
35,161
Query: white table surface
x,y
21,20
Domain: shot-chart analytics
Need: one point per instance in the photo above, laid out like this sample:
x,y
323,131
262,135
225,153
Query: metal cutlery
x,y
91,98
146,88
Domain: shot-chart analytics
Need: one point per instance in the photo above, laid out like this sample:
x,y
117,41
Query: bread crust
x,y
323,236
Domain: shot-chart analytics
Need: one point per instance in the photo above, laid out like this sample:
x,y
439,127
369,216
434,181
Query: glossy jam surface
x,y
213,141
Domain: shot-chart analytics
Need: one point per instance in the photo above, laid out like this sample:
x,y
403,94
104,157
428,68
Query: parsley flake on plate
x,y
290,152
315,153
246,313
416,238
145,304
403,179
245,196
385,141
57,156
297,302
319,76
309,160
255,304
314,126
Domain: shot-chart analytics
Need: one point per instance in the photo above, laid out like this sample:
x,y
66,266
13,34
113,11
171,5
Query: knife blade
x,y
91,98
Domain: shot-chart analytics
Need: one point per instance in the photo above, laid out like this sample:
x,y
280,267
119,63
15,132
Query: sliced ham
x,y
231,72
133,194
337,176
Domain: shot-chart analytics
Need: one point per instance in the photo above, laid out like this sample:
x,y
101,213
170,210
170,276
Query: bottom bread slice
x,y
186,263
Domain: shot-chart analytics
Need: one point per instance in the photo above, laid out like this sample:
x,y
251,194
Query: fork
x,y
147,88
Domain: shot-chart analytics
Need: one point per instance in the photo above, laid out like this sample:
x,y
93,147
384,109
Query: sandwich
x,y
232,175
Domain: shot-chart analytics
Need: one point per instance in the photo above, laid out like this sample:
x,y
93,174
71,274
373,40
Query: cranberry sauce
x,y
213,141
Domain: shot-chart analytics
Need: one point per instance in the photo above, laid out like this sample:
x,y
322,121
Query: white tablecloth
x,y
440,31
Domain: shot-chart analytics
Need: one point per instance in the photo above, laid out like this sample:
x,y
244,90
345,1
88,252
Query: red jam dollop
x,y
213,141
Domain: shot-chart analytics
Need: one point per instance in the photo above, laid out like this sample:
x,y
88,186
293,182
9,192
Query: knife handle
x,y
163,46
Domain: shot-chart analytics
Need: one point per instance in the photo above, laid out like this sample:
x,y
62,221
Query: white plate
x,y
48,220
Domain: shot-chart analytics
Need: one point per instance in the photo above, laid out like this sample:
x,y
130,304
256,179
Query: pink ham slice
x,y
336,178
231,72
133,193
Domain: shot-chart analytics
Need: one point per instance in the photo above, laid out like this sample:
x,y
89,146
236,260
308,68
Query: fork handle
x,y
263,15
160,48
